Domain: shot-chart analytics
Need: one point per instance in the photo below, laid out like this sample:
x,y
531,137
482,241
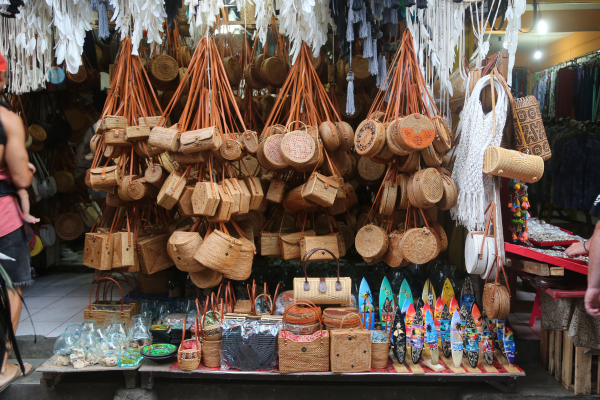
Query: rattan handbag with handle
x,y
303,353
350,349
512,164
322,290
190,351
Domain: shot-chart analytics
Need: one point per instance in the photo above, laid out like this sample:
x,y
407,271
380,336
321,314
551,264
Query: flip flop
x,y
5,380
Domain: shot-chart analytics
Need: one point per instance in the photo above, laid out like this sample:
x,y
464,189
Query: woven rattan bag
x,y
369,138
321,190
200,140
350,349
153,257
371,242
172,189
290,244
219,251
276,191
416,132
328,242
419,245
297,147
97,251
322,290
512,164
105,176
181,248
303,353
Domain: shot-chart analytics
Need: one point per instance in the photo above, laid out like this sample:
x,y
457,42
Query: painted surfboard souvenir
x,y
500,335
468,294
493,333
365,305
420,305
509,344
437,315
471,341
399,335
408,320
386,305
445,321
406,304
447,292
453,306
428,295
417,336
431,338
478,320
486,341
405,293
456,340
463,321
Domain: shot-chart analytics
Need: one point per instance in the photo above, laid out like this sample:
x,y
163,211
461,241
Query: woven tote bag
x,y
322,290
219,251
303,353
97,251
320,189
350,349
309,243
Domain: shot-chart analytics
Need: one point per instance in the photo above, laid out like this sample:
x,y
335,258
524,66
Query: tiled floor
x,y
519,318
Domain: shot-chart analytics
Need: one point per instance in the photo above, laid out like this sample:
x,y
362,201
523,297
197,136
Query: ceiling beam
x,y
562,20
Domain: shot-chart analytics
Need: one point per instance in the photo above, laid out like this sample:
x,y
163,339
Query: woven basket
x,y
97,251
274,71
418,246
243,307
320,189
385,156
272,153
393,256
269,244
212,353
225,206
329,135
431,157
348,235
186,159
219,252
512,164
206,278
250,139
64,181
403,189
163,71
276,191
290,244
243,266
68,226
37,132
94,142
427,186
137,133
234,192
251,81
293,201
153,257
233,70
393,142
297,148
105,177
416,132
409,163
113,122
380,352
303,353
189,359
450,196
181,248
333,316
171,190
350,350
351,198
439,230
113,200
369,170
143,149
79,76
443,137
329,242
256,191
200,140
388,198
138,189
371,241
318,158
164,138
496,305
369,138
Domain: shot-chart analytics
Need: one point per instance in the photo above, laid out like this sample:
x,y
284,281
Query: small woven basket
x,y
371,241
512,164
243,266
212,353
232,150
219,252
416,132
181,248
206,278
269,244
496,303
380,352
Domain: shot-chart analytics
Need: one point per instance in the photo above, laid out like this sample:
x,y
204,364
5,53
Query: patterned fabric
x,y
532,125
303,338
584,330
556,315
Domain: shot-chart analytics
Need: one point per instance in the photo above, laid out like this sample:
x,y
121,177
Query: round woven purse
x,y
443,137
427,187
441,233
250,140
274,71
297,147
450,196
416,132
318,158
431,157
418,246
272,153
496,301
369,170
388,198
402,181
393,256
346,135
233,70
392,133
68,226
371,242
163,72
329,135
251,81
369,138
232,150
409,163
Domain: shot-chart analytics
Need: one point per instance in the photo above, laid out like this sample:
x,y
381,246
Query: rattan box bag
x,y
219,251
350,349
303,353
512,164
322,290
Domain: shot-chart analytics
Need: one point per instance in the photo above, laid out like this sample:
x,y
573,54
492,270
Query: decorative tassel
x,y
350,110
382,70
409,3
368,45
350,29
94,5
421,4
103,31
373,67
393,16
357,5
364,24
377,8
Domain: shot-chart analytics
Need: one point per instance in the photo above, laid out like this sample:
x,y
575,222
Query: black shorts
x,y
15,245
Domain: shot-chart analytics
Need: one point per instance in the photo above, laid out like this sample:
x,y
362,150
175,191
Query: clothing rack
x,y
573,60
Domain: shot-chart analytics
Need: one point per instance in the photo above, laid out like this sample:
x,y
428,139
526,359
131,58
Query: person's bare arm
x,y
592,295
15,152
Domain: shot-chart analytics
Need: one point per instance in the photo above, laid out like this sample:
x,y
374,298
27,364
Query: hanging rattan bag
x,y
512,164
416,132
200,140
297,147
346,135
443,137
329,135
369,138
320,189
181,248
272,157
371,241
250,139
389,195
393,256
219,251
392,133
450,196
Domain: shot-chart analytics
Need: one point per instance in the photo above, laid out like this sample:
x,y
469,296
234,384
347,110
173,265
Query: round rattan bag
x,y
272,153
388,198
297,148
496,303
68,226
346,135
369,138
416,132
371,242
450,196
369,170
250,139
418,246
391,137
409,163
393,256
329,135
431,156
427,186
402,197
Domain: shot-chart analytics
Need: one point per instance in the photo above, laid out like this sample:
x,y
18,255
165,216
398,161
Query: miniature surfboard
x,y
386,305
406,304
399,335
405,293
463,321
453,306
445,321
428,295
486,341
456,339
424,310
437,315
408,320
500,334
493,333
431,338
478,320
471,341
417,336
447,292
420,304
365,305
509,344
468,294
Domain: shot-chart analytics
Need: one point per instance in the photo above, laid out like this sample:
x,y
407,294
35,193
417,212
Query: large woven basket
x,y
371,241
496,302
181,248
369,138
206,278
219,252
68,226
297,148
450,196
513,164
418,246
212,353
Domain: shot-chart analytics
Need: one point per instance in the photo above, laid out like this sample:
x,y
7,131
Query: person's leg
x,y
16,305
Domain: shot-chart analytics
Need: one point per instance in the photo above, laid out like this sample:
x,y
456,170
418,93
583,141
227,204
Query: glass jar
x,y
110,351
140,336
63,346
89,344
89,325
74,329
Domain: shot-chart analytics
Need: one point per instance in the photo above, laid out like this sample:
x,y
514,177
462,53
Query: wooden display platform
x,y
573,265
502,376
53,374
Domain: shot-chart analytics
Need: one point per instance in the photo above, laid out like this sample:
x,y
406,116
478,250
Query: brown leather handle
x,y
338,284
105,279
308,304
